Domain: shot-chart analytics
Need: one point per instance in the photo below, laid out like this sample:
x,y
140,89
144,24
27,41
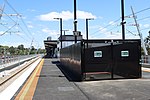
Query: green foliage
x,y
147,44
12,50
21,47
20,50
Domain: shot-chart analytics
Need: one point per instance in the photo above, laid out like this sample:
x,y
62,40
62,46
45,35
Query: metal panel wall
x,y
70,58
98,63
117,57
126,59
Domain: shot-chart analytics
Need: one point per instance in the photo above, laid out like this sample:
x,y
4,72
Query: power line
x,y
19,16
140,19
145,29
119,19
131,32
24,31
9,17
140,30
7,30
22,37
142,10
143,18
26,26
11,7
106,26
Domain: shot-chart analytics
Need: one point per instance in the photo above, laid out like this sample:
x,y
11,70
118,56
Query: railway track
x,y
14,73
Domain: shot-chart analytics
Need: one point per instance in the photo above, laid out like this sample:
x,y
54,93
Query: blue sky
x,y
36,22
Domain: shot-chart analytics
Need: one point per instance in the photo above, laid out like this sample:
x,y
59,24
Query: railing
x,y
11,63
8,60
145,59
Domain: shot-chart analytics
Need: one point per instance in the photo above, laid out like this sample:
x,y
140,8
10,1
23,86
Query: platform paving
x,y
53,85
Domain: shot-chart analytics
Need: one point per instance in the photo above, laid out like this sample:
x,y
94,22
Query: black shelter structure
x,y
103,59
51,48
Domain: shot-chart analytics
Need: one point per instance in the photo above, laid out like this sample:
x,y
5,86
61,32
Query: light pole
x,y
65,31
123,22
87,29
75,20
60,31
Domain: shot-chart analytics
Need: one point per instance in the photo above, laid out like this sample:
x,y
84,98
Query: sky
x,y
30,22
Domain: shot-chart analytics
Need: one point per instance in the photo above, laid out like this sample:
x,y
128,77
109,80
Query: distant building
x,y
49,38
51,47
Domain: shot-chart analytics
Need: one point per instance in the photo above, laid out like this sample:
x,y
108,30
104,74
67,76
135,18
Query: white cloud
x,y
30,26
31,10
66,15
112,23
112,35
53,33
83,15
100,17
146,25
1,32
104,33
19,33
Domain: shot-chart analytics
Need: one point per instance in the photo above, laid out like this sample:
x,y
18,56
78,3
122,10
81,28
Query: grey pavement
x,y
53,85
124,89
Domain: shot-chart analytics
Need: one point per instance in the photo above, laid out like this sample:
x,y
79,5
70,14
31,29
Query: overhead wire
x,y
9,17
2,9
143,18
11,7
26,27
119,19
15,23
131,32
7,30
142,10
19,16
28,31
106,26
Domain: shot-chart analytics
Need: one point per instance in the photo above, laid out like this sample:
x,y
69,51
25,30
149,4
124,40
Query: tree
x,y
21,47
147,43
12,50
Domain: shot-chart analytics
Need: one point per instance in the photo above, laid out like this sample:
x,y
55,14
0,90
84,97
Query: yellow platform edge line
x,y
27,86
146,69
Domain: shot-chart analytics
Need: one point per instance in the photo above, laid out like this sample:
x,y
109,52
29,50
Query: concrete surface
x,y
53,85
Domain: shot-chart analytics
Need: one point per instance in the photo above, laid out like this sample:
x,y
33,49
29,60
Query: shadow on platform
x,y
66,72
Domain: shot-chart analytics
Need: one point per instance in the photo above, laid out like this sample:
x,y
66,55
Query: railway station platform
x,y
48,82
51,85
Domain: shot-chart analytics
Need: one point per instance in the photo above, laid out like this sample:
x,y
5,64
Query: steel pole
x,y
87,31
61,31
122,23
75,20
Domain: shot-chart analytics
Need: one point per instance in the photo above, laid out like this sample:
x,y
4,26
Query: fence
x,y
7,60
145,59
